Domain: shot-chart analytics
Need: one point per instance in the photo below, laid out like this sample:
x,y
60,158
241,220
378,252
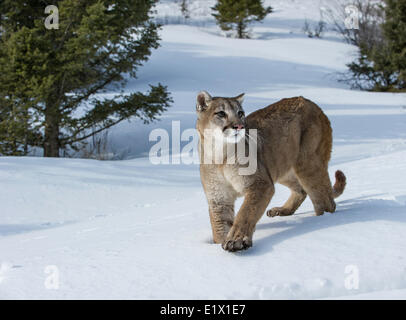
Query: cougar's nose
x,y
238,126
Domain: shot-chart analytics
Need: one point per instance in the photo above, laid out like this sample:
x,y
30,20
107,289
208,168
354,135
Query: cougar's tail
x,y
340,183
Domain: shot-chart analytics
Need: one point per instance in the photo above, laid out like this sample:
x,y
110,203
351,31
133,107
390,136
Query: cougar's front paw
x,y
236,241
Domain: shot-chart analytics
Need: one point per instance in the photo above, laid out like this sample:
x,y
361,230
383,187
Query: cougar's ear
x,y
240,98
203,100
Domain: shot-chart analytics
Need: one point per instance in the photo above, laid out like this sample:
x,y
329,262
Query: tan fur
x,y
294,148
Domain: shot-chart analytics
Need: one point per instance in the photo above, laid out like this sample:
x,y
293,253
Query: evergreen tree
x,y
17,132
381,65
184,8
237,14
52,80
394,30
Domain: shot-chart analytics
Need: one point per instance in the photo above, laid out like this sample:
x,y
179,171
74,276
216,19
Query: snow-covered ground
x,y
131,229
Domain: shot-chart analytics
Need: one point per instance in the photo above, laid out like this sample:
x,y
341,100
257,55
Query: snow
x,y
130,229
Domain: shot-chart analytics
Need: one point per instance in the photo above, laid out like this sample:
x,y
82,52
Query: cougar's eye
x,y
241,114
221,114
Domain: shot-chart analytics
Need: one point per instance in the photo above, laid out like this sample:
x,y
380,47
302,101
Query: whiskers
x,y
248,136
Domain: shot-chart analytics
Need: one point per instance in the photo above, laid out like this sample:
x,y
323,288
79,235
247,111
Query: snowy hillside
x,y
130,229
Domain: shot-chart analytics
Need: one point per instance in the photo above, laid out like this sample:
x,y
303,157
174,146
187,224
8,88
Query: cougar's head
x,y
222,118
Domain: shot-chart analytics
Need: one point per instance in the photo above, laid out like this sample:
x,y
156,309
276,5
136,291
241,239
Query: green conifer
x,y
237,14
52,80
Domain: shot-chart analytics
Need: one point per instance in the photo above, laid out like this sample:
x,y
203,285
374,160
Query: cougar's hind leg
x,y
314,178
297,196
312,163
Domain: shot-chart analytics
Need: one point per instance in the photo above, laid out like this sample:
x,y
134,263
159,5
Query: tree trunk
x,y
240,30
51,141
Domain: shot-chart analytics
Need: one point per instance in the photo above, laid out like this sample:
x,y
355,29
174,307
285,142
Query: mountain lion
x,y
293,148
